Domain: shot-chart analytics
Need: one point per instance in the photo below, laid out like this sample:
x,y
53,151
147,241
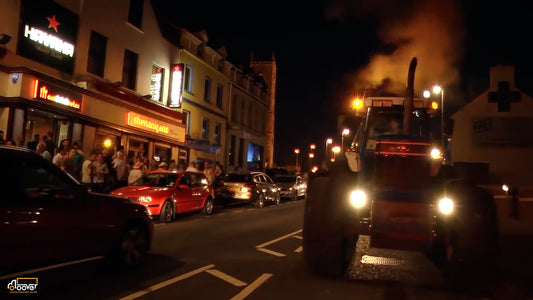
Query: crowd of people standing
x,y
107,169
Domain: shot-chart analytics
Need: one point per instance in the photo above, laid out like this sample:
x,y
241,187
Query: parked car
x,y
167,193
291,186
47,217
253,187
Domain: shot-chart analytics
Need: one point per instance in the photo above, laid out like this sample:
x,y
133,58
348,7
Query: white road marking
x,y
271,252
226,277
299,249
278,239
298,237
250,288
166,283
50,267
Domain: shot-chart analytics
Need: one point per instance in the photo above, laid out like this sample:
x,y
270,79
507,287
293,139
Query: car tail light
x,y
247,188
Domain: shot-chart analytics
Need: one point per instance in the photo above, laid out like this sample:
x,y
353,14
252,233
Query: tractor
x,y
393,184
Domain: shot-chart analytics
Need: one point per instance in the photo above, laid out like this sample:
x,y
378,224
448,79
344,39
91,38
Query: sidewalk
x,y
516,259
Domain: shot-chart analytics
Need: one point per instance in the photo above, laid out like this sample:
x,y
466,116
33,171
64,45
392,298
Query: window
x,y
187,122
242,113
205,129
187,85
97,50
156,83
129,69
200,50
218,133
231,154
207,90
241,152
220,94
135,14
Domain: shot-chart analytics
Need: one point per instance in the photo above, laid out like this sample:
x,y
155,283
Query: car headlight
x,y
446,206
358,198
245,189
145,199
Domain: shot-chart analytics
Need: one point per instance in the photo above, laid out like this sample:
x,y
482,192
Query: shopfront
x,y
61,110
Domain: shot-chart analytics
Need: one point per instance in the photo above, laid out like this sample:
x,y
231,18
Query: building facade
x,y
74,71
268,70
205,97
123,77
494,130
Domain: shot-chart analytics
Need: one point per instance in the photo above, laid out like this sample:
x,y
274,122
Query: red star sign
x,y
53,22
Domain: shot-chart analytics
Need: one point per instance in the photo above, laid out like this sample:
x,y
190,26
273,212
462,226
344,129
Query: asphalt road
x,y
249,253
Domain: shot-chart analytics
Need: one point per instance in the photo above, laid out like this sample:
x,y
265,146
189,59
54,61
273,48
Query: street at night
x,y
332,149
249,253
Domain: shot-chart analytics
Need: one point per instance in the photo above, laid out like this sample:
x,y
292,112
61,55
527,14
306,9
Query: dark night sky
x,y
328,51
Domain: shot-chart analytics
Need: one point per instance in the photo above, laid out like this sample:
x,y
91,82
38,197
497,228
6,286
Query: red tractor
x,y
392,184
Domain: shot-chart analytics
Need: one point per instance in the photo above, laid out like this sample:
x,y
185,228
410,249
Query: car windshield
x,y
234,177
157,180
285,179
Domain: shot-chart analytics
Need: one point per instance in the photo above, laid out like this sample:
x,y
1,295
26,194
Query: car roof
x,y
172,172
9,148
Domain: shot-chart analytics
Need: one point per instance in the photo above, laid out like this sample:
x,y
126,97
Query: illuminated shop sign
x,y
156,83
176,85
143,122
47,34
54,94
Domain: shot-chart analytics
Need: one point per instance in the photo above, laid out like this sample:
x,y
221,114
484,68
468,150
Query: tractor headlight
x,y
358,198
145,199
436,153
446,206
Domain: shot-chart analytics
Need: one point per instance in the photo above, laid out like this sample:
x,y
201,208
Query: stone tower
x,y
268,70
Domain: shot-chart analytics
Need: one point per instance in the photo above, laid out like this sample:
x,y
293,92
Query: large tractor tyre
x,y
330,230
472,247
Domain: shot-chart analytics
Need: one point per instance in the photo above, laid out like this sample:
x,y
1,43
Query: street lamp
x,y
335,149
297,151
311,156
345,132
329,141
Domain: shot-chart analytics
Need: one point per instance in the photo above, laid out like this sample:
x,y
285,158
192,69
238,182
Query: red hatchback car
x,y
167,193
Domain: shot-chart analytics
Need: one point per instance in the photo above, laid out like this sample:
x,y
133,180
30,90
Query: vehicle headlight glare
x,y
436,153
358,199
145,199
244,189
446,206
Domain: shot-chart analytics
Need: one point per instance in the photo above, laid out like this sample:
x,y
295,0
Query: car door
x,y
198,187
45,217
271,186
260,184
185,197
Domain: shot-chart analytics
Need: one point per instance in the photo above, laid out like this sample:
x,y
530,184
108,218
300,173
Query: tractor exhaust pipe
x,y
409,98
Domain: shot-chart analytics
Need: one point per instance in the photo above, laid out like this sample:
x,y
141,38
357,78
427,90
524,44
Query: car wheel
x,y
167,213
472,248
208,206
329,234
260,202
134,244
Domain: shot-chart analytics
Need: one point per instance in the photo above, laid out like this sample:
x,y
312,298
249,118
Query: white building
x,y
496,129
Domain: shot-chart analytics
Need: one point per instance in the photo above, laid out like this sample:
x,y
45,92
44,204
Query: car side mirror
x,y
183,186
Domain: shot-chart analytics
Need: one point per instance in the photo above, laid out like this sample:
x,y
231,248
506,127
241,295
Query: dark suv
x,y
253,187
47,217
